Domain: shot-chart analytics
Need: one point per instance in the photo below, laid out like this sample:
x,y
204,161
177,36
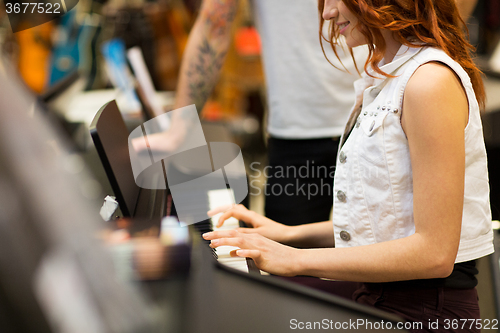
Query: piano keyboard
x,y
216,199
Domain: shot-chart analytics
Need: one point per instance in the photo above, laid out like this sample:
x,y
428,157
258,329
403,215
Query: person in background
x,y
411,211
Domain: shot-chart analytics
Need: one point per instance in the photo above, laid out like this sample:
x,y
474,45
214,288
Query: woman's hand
x,y
258,224
268,255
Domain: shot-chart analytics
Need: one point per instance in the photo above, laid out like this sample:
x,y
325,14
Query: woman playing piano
x,y
411,209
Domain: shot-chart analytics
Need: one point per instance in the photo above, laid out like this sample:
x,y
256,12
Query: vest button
x,y
341,196
342,157
345,236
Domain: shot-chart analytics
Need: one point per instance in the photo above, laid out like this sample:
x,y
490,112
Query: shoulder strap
x,y
431,55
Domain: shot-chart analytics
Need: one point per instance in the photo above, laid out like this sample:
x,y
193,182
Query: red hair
x,y
415,23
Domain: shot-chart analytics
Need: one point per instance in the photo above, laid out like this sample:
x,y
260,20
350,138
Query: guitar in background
x,y
75,42
34,50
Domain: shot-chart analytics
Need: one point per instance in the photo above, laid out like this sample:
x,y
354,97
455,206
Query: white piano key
x,y
217,198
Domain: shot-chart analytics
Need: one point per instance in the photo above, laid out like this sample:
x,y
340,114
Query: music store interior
x,y
93,238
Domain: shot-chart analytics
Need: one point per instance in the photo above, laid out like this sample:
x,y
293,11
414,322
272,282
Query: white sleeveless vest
x,y
373,181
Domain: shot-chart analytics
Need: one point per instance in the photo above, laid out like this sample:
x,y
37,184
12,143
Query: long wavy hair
x,y
414,23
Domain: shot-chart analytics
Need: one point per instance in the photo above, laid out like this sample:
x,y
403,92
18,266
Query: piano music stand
x,y
110,136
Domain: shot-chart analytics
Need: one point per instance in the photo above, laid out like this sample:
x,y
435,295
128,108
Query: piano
x,y
228,294
110,135
57,276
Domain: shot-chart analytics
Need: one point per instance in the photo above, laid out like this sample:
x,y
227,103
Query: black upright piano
x,y
212,296
55,275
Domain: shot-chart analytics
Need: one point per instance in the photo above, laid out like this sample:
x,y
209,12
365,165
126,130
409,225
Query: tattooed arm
x,y
203,58
205,52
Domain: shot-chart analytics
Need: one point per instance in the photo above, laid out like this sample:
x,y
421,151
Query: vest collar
x,y
404,54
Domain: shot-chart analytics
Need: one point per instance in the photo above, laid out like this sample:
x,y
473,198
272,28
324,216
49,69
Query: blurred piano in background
x,y
55,275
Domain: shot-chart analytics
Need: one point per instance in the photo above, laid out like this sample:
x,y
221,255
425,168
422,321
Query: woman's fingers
x,y
220,234
254,254
237,211
224,217
233,241
219,209
229,238
226,208
248,230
